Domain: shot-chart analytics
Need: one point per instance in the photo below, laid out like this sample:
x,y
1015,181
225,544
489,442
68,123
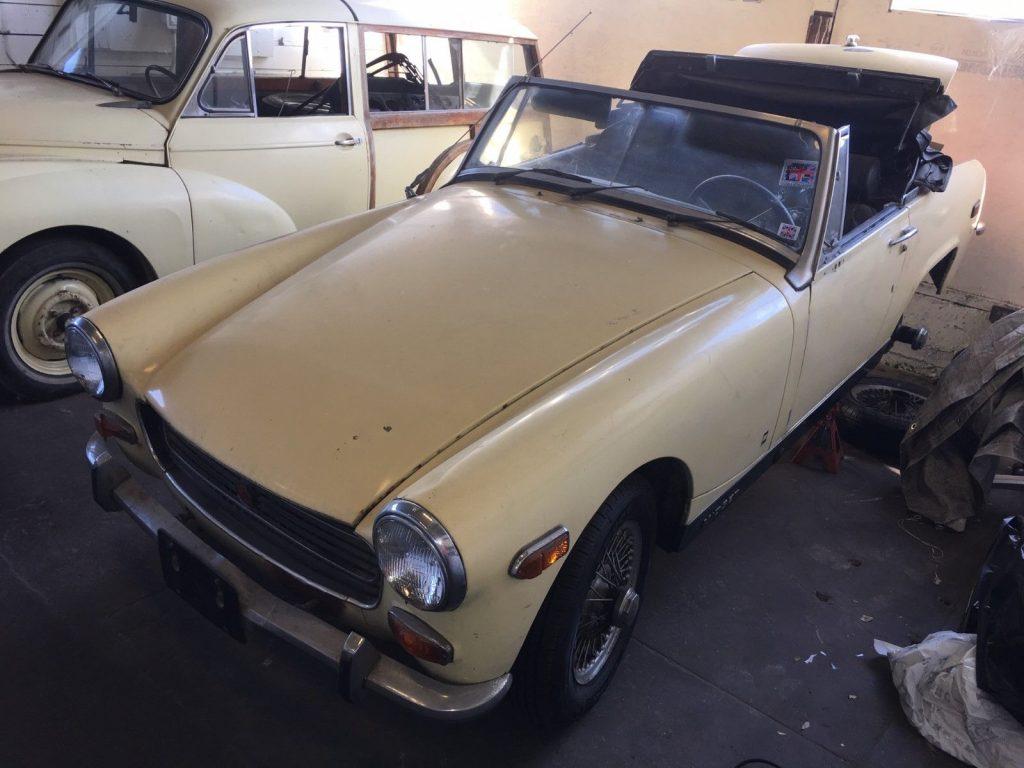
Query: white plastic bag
x,y
938,688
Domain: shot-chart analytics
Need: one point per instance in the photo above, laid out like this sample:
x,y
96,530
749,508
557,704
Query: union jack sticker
x,y
799,173
789,231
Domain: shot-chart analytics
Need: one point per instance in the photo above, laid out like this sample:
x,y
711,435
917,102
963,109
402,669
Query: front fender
x,y
229,216
146,205
700,386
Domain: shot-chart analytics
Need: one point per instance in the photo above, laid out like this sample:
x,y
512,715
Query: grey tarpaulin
x,y
972,422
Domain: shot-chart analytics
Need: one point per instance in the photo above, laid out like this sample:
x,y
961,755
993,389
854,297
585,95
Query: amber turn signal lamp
x,y
109,425
419,638
535,558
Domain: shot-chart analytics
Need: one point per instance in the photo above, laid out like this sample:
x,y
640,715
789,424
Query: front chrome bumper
x,y
358,665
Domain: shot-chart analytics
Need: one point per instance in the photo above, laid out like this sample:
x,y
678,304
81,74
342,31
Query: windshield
x,y
759,173
141,48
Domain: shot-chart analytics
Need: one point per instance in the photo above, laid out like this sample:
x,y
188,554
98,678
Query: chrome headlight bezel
x,y
429,529
108,387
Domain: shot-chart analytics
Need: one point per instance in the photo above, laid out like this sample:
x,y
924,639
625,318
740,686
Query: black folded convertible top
x,y
886,110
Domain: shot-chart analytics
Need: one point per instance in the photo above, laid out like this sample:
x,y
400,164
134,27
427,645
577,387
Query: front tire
x,y
581,631
43,285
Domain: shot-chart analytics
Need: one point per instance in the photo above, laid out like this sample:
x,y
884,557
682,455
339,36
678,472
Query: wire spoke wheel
x,y
888,399
611,603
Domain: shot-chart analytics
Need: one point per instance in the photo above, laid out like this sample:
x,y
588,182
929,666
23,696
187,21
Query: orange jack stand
x,y
823,442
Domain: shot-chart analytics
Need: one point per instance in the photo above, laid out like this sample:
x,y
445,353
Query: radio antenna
x,y
565,37
410,191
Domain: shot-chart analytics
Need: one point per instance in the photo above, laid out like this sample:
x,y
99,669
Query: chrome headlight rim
x,y
110,379
411,514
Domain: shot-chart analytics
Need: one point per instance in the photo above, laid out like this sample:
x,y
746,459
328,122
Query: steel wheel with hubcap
x,y
45,308
579,635
43,287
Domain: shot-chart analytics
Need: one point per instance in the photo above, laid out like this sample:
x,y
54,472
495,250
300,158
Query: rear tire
x,y
43,285
564,665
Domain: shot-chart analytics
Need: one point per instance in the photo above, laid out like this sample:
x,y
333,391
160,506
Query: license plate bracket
x,y
200,586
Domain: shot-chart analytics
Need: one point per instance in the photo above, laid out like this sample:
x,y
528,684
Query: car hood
x,y
38,110
336,385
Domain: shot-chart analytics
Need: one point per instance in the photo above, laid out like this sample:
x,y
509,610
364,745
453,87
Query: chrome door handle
x,y
903,236
348,141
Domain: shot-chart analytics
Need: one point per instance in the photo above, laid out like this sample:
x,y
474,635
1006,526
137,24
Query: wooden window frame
x,y
433,118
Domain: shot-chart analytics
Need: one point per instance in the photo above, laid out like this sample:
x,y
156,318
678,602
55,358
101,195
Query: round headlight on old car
x,y
90,359
418,557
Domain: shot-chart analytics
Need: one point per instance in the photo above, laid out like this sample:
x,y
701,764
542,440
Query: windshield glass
x,y
759,172
143,49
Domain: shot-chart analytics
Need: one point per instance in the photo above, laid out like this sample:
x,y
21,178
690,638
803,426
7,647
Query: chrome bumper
x,y
358,665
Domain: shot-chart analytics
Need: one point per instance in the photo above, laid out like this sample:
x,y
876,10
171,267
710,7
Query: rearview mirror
x,y
592,107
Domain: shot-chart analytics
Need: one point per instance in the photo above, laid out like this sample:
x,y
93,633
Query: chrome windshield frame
x,y
799,263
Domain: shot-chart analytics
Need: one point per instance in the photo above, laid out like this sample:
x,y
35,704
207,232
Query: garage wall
x,y
607,48
22,23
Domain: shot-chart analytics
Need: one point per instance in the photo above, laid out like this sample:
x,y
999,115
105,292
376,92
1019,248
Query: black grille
x,y
320,550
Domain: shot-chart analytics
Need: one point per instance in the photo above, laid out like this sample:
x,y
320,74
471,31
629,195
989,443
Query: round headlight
x,y
418,557
90,359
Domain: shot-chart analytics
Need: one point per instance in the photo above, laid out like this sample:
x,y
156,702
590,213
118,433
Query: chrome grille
x,y
318,549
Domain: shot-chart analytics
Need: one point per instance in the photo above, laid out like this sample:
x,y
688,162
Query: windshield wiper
x,y
581,193
88,77
110,85
500,177
744,223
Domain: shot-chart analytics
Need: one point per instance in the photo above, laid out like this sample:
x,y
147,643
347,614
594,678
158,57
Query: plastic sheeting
x,y
936,680
971,423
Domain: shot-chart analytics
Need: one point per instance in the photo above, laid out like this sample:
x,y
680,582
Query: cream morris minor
x,y
434,445
143,137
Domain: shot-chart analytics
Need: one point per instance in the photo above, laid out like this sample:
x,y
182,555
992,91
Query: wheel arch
x,y
126,251
672,482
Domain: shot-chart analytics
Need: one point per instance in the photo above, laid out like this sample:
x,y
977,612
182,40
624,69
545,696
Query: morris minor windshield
x,y
140,48
762,174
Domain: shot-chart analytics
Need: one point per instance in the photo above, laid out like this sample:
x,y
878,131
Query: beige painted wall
x,y
607,48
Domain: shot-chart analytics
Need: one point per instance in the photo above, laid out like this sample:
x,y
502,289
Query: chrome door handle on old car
x,y
903,236
346,140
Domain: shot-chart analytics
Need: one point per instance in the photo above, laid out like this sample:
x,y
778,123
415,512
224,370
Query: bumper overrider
x,y
239,603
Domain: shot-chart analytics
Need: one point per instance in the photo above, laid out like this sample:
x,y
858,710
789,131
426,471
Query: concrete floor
x,y
104,666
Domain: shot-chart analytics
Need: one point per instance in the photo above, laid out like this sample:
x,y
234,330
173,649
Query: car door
x,y
851,293
270,141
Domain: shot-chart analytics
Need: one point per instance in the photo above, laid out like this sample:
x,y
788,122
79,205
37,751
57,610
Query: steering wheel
x,y
163,71
774,201
317,100
394,59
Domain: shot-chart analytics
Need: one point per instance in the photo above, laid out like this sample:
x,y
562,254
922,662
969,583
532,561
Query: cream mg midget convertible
x,y
435,444
143,137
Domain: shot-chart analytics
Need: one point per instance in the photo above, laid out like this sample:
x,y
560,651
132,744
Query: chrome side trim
x,y
324,642
412,513
535,546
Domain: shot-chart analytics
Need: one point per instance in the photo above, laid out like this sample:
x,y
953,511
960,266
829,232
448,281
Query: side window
x,y
488,66
412,73
299,71
394,72
444,72
227,88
